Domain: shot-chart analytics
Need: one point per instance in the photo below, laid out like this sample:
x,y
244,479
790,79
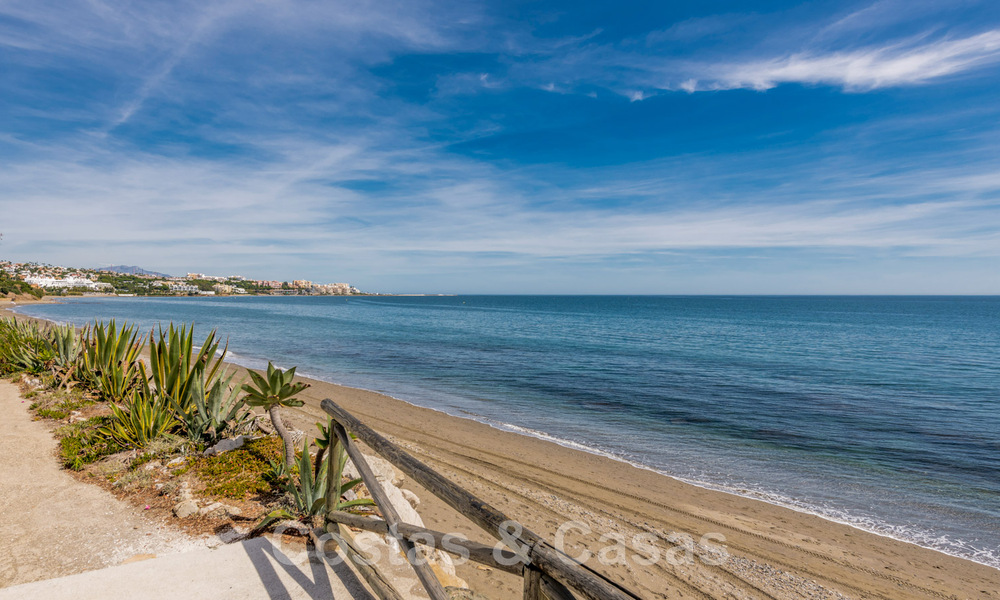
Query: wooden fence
x,y
547,572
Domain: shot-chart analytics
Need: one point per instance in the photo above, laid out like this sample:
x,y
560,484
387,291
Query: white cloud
x,y
904,63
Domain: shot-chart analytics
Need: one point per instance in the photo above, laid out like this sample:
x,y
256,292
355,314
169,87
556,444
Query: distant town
x,y
52,280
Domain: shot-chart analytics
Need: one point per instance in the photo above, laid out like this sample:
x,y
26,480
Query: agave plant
x,y
177,370
339,461
66,352
215,412
194,384
111,362
309,492
272,392
25,347
140,421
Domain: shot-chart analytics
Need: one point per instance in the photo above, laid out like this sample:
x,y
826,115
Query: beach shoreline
x,y
774,551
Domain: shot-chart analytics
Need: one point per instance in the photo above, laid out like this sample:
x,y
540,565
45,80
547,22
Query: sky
x,y
710,147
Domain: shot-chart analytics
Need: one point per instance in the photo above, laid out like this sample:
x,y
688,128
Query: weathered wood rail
x,y
547,572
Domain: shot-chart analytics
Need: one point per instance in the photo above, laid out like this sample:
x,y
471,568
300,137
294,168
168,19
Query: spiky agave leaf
x,y
140,421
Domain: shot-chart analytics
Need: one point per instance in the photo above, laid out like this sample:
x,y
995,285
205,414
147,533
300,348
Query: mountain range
x,y
131,270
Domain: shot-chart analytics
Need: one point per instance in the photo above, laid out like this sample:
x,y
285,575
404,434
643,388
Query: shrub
x,y
308,493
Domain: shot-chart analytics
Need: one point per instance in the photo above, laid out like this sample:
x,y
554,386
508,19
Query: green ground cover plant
x,y
243,472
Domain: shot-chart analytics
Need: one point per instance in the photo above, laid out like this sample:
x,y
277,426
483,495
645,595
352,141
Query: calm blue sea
x,y
881,412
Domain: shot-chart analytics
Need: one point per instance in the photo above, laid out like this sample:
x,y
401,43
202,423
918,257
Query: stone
x,y
225,446
383,469
211,508
180,460
185,509
412,498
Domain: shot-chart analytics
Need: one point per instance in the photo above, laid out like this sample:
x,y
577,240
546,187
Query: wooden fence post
x,y
420,566
532,583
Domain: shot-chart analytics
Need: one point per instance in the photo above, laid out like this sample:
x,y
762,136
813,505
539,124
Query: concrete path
x,y
54,525
250,570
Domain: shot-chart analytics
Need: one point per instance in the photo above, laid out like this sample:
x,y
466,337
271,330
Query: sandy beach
x,y
693,542
773,552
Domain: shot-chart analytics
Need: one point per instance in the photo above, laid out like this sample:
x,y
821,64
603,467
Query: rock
x,y
218,508
383,469
225,446
185,509
445,572
412,498
407,514
152,465
211,508
180,460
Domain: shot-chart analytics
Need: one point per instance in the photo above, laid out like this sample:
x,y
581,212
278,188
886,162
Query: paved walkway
x,y
54,525
252,570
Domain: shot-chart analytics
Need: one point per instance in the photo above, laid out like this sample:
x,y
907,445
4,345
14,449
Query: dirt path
x,y
54,525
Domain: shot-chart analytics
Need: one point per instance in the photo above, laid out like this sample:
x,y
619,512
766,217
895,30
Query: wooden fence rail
x,y
547,572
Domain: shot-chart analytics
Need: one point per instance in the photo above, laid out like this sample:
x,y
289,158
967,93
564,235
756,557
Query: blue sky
x,y
514,147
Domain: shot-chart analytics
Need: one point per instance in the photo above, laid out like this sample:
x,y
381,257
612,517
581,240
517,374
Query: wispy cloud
x,y
270,139
903,63
150,82
865,50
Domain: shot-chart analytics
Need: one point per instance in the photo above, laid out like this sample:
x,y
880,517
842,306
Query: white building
x,y
66,283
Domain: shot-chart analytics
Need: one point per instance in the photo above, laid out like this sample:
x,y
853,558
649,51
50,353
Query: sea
x,y
879,412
